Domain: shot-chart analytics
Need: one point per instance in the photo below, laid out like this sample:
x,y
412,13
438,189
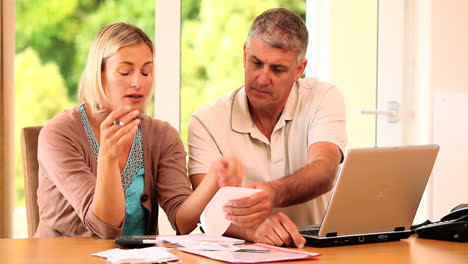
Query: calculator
x,y
136,241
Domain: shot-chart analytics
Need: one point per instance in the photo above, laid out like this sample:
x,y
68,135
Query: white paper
x,y
223,240
137,256
213,219
274,254
206,246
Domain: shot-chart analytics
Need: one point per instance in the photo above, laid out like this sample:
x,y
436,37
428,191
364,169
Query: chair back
x,y
29,139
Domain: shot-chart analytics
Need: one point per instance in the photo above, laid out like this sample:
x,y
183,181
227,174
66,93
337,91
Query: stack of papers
x,y
254,253
200,237
138,256
232,250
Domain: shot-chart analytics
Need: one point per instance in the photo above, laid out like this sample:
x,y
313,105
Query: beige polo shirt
x,y
314,112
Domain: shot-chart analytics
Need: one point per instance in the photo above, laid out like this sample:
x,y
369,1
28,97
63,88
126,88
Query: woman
x,y
104,166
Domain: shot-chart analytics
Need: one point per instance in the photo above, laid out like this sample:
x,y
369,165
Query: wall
x,y
449,52
448,80
7,168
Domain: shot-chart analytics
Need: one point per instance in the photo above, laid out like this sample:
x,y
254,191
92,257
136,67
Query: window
x,y
52,42
213,36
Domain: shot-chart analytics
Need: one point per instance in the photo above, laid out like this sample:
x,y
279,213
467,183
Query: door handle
x,y
392,113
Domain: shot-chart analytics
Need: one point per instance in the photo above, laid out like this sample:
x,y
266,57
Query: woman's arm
x,y
65,161
182,205
226,171
109,199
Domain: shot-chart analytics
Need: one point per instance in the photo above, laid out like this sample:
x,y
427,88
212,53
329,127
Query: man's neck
x,y
265,119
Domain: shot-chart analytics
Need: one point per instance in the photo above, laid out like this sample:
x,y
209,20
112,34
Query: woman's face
x,y
127,76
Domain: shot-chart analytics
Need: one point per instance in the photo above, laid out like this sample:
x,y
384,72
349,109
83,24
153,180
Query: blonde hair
x,y
281,28
106,43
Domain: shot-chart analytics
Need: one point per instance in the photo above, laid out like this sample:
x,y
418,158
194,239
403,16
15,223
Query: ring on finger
x,y
118,122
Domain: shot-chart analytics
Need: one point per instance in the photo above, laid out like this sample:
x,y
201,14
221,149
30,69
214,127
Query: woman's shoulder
x,y
65,123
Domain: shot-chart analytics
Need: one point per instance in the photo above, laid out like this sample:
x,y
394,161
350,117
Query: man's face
x,y
269,74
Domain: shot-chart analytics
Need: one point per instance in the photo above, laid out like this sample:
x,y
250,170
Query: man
x,y
287,134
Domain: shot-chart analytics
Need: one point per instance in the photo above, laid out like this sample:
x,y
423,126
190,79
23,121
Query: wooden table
x,y
77,250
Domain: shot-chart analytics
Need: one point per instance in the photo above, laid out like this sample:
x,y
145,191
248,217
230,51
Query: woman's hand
x,y
119,127
228,171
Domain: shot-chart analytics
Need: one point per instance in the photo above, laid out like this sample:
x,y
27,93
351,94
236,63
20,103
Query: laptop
x,y
375,197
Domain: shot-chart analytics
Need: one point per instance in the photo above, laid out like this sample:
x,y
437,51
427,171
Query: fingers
x,y
251,185
229,171
292,230
126,129
247,221
279,230
254,199
122,115
118,127
268,189
249,211
268,233
224,163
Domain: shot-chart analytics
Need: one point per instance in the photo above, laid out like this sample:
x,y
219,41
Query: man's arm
x,y
314,179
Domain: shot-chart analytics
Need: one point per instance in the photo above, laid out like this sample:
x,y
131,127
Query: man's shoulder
x,y
313,90
313,86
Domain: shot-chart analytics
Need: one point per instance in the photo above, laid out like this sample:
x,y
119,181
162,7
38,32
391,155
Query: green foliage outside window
x,y
52,43
212,49
53,38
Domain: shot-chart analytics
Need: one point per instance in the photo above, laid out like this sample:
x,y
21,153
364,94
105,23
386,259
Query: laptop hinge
x,y
400,228
332,234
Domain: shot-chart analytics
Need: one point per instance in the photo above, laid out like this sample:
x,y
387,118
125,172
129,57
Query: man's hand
x,y
278,230
252,210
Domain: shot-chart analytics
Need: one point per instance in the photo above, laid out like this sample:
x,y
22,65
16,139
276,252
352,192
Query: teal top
x,y
133,180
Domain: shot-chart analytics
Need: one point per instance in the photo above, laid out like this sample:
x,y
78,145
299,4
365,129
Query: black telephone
x,y
452,227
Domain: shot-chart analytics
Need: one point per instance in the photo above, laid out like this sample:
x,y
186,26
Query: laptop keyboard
x,y
312,232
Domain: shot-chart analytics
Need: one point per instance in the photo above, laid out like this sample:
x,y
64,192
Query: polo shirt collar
x,y
241,119
291,103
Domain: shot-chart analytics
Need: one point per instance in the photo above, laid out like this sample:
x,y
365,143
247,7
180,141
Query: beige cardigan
x,y
68,169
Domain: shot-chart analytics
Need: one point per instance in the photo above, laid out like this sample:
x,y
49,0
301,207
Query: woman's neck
x,y
95,121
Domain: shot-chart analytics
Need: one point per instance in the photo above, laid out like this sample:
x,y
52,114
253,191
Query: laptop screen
x,y
378,189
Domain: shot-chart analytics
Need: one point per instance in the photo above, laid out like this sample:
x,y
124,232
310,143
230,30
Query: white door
x,y
403,89
374,52
390,62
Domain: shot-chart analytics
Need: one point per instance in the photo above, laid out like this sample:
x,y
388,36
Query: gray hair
x,y
281,28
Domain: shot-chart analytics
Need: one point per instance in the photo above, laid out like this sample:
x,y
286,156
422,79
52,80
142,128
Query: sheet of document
x,y
201,238
213,219
253,253
138,256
